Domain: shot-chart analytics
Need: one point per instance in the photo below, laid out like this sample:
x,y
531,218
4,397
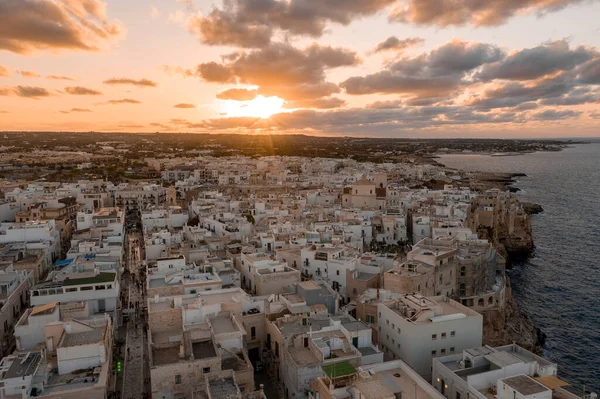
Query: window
x,y
453,334
206,370
433,337
178,379
443,335
72,289
387,336
393,341
370,319
354,291
457,395
387,322
463,271
305,342
399,330
443,351
452,350
337,272
393,326
399,345
86,288
253,332
433,352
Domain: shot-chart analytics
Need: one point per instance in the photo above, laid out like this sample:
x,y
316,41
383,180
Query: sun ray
x,y
259,107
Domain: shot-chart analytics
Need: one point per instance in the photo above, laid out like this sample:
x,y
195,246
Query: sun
x,y
259,107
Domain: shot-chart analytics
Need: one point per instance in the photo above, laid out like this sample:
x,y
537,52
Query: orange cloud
x,y
82,91
30,25
127,81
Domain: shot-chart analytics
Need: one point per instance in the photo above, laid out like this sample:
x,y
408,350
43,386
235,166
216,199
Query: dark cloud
x,y
360,120
281,64
577,96
214,72
221,28
134,82
29,74
238,94
278,70
439,72
526,106
29,25
31,92
537,62
475,12
123,101
395,44
4,72
553,115
184,106
515,93
82,91
252,23
72,110
390,104
317,103
55,77
589,73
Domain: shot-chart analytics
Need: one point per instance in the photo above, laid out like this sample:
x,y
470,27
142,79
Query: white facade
x,y
417,329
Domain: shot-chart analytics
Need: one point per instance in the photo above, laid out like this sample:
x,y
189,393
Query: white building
x,y
417,329
100,290
505,372
110,220
164,218
34,234
328,263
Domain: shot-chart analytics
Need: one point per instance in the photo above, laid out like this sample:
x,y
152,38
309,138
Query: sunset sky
x,y
386,68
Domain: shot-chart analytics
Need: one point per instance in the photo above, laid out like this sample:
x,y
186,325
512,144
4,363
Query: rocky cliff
x,y
511,324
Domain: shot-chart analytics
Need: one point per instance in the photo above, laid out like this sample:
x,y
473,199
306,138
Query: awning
x,y
552,382
63,262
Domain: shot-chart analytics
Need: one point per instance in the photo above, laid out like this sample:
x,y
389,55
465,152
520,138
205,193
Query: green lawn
x,y
340,369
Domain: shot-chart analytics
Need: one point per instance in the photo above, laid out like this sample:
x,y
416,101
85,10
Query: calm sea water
x,y
559,287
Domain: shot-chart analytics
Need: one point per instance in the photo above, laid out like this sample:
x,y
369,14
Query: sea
x,y
559,286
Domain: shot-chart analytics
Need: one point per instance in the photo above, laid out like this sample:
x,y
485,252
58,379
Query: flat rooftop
x,y
524,385
203,350
223,388
23,365
223,325
94,335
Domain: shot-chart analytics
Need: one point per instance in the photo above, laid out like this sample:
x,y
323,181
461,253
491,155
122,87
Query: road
x,y
135,365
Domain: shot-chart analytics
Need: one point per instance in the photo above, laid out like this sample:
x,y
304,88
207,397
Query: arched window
x,y
490,301
480,302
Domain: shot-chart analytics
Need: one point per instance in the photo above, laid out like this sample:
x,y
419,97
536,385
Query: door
x,y
101,305
355,342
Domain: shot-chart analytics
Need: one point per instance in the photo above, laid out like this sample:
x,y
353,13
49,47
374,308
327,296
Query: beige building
x,y
73,359
389,380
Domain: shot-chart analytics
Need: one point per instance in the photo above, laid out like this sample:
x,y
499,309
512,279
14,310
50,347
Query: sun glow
x,y
260,107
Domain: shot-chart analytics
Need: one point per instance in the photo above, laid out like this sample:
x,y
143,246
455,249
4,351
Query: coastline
x,y
511,323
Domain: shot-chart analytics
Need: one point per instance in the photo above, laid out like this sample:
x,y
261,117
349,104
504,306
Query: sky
x,y
379,68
